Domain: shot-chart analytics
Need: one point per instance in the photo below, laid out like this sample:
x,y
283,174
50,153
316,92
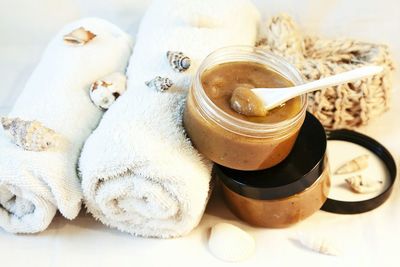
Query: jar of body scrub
x,y
286,193
232,139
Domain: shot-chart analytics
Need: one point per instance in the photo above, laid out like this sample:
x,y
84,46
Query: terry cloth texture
x,y
34,184
140,173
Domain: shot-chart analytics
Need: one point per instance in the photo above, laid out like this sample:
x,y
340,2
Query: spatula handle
x,y
337,79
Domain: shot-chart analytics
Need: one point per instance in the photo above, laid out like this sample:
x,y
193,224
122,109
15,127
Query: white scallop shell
x,y
230,243
318,244
30,135
105,91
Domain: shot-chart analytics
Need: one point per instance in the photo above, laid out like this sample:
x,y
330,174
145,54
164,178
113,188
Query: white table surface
x,y
370,239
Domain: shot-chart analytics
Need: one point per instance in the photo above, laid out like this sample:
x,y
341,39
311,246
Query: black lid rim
x,y
354,207
273,193
287,190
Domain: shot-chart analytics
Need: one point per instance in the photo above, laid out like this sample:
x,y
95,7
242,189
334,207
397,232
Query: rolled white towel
x,y
34,184
140,173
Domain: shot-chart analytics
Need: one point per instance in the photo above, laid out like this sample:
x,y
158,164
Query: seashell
x,y
230,243
318,244
78,37
160,84
30,135
357,164
105,91
178,61
359,184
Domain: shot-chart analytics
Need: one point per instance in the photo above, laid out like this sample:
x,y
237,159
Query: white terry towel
x,y
140,173
33,185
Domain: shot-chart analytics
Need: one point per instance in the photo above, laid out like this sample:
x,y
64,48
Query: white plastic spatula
x,y
273,97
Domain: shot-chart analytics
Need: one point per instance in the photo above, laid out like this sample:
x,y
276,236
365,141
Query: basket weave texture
x,y
345,106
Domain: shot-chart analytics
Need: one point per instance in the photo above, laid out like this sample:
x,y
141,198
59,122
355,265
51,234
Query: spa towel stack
x,y
140,173
35,184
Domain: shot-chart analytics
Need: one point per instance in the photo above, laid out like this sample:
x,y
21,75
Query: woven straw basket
x,y
345,106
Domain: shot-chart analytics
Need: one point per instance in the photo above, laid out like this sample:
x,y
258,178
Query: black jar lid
x,y
303,166
387,164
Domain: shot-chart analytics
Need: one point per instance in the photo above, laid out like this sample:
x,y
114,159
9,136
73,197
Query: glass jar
x,y
286,193
233,142
280,212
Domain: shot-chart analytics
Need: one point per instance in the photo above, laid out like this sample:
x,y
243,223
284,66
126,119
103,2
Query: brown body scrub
x,y
279,213
245,102
232,139
287,193
231,81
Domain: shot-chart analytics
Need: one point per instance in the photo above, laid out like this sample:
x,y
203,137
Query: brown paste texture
x,y
231,148
219,83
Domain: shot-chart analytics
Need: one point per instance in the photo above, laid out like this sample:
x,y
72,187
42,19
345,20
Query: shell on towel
x,y
360,184
105,91
30,135
356,164
230,243
79,37
160,84
178,61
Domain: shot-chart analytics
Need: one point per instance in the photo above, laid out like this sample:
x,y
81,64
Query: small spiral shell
x,y
178,61
318,244
30,135
160,84
360,184
356,164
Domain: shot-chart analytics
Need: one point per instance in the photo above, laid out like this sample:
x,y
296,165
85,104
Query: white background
x,y
369,239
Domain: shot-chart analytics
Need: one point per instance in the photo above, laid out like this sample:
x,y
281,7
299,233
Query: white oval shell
x,y
230,243
105,91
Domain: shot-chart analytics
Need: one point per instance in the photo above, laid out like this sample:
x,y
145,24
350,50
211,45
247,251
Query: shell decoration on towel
x,y
318,244
360,184
230,243
357,164
105,91
30,135
160,84
79,37
178,61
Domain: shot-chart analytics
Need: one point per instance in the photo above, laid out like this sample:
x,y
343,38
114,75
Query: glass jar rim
x,y
237,125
